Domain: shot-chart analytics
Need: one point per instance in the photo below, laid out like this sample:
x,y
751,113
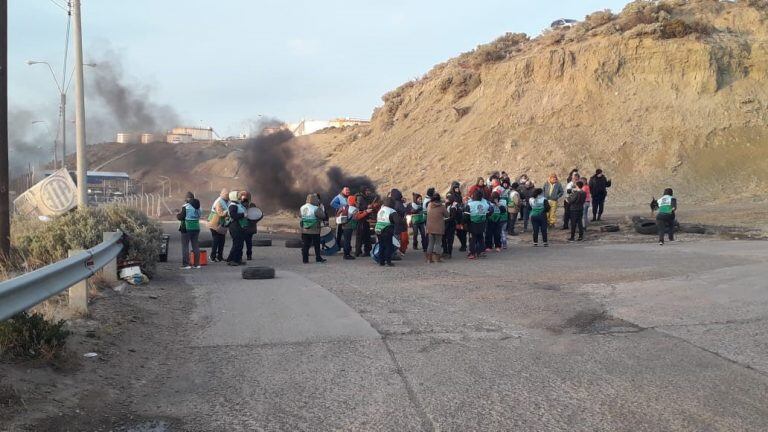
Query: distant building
x,y
178,138
306,127
346,122
127,138
149,138
197,133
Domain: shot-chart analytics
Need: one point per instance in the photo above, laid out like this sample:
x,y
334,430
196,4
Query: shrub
x,y
465,82
678,28
43,243
498,50
636,13
599,19
27,336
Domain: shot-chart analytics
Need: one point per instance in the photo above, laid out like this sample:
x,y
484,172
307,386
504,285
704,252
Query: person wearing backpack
x,y
189,216
312,216
539,205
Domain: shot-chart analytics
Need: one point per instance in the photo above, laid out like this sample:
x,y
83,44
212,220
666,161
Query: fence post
x,y
109,271
78,293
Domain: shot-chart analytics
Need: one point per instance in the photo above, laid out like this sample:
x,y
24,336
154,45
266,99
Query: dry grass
x,y
32,337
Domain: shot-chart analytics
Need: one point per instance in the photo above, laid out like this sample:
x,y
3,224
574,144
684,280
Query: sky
x,y
223,63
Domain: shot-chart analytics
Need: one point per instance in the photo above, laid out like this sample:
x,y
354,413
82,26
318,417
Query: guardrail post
x,y
109,271
78,293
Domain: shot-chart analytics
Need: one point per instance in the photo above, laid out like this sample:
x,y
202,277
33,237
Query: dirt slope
x,y
664,94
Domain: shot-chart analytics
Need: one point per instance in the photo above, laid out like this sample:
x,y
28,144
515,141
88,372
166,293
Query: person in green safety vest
x,y
665,218
312,216
189,216
386,220
417,210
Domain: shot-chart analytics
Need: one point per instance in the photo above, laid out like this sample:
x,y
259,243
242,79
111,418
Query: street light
x,y
54,139
63,88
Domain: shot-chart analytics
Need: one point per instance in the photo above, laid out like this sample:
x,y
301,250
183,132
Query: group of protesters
x,y
228,215
482,219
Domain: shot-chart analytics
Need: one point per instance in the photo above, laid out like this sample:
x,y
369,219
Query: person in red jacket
x,y
482,187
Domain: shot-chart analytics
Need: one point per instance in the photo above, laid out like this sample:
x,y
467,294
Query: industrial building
x,y
178,138
197,133
306,127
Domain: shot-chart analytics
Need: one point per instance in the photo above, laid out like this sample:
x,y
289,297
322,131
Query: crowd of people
x,y
482,219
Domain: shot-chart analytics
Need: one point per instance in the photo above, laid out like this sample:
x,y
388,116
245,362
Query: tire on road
x,y
609,228
258,273
646,226
293,243
262,242
692,228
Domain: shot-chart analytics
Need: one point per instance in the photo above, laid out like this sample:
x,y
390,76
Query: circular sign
x,y
56,195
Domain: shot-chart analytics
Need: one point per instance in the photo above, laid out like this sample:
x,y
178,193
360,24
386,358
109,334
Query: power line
x,y
60,6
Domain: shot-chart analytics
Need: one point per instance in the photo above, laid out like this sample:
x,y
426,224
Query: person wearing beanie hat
x,y
598,188
189,218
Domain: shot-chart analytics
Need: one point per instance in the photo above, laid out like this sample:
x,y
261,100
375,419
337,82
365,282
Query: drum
x,y
254,214
327,234
329,248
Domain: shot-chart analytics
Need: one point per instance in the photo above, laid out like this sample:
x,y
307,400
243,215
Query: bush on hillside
x,y
42,243
678,28
27,336
598,19
498,50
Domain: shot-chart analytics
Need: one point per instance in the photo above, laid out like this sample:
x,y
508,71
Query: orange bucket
x,y
203,257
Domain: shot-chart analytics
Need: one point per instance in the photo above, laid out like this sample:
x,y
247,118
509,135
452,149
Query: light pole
x,y
48,128
62,109
63,89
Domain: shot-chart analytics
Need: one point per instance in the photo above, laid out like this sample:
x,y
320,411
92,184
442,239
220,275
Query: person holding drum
x,y
218,221
252,216
237,228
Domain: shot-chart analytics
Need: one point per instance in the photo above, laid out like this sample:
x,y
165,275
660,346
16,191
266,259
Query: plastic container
x,y
203,257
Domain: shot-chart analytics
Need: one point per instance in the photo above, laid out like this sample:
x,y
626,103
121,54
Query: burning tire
x,y
258,273
293,243
609,228
262,242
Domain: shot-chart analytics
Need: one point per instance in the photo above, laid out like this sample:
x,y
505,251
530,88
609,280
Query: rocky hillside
x,y
669,93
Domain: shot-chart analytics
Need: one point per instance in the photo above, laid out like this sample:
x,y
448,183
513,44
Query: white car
x,y
563,23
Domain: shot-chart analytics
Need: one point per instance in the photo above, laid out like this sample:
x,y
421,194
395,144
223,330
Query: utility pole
x,y
82,162
5,207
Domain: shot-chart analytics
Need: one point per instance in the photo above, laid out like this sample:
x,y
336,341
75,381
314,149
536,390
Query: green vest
x,y
665,204
309,216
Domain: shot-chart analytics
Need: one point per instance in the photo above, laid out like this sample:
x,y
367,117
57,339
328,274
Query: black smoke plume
x,y
124,106
280,180
28,143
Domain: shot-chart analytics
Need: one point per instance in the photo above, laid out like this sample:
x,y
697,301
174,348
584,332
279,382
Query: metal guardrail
x,y
23,292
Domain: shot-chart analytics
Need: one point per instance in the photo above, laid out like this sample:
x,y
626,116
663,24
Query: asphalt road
x,y
581,337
